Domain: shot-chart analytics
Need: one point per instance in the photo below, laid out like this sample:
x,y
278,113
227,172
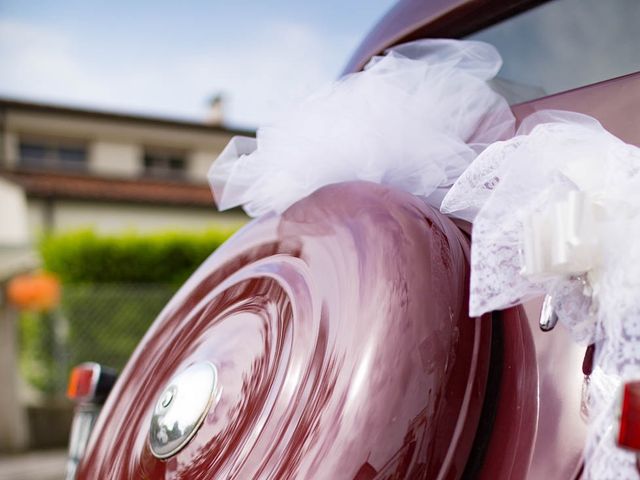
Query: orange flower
x,y
34,291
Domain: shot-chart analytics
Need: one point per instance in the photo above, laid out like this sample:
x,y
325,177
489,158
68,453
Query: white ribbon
x,y
562,239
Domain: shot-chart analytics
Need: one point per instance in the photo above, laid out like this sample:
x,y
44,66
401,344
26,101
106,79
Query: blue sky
x,y
167,58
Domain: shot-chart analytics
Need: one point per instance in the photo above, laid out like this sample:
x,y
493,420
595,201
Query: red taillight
x,y
629,435
89,386
82,381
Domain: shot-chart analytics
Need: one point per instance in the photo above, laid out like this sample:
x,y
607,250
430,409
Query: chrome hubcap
x,y
181,408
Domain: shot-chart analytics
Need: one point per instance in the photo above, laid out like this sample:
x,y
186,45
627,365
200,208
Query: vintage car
x,y
333,341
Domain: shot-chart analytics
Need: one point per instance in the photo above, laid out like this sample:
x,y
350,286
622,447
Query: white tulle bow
x,y
414,119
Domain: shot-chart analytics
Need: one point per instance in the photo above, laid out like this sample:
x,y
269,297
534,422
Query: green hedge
x,y
113,287
39,361
106,321
170,257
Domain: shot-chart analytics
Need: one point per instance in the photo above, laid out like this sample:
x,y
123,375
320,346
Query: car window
x,y
565,44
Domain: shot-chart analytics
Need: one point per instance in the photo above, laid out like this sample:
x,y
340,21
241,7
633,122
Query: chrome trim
x,y
86,413
181,408
84,419
548,316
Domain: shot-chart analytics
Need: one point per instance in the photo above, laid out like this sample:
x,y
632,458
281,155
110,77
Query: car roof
x,y
413,19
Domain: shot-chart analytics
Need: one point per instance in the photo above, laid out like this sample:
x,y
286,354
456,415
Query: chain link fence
x,y
96,322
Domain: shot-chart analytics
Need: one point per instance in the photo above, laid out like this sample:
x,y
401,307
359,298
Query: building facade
x,y
109,171
65,168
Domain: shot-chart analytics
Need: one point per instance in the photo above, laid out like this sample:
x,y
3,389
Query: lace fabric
x,y
555,156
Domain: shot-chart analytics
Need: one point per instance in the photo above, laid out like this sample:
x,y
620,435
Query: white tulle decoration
x,y
414,119
556,211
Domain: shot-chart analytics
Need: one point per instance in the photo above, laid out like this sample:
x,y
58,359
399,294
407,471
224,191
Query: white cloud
x,y
38,62
259,75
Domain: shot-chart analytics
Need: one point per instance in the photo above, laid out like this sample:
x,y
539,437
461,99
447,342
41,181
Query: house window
x,y
164,163
56,154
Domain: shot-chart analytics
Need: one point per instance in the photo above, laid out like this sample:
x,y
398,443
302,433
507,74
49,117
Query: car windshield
x,y
565,44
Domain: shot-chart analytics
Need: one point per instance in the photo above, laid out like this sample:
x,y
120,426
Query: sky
x,y
168,58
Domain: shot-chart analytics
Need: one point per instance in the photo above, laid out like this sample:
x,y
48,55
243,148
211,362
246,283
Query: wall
x,y
199,163
10,149
13,209
118,217
115,159
115,147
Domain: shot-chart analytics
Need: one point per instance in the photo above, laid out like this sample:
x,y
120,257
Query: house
x,y
65,168
81,168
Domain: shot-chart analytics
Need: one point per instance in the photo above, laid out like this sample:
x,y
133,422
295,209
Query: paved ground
x,y
45,465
